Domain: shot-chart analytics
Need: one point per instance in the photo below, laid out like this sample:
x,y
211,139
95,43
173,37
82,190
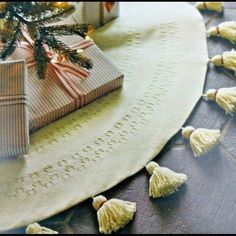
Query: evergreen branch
x,y
62,13
55,17
67,53
10,45
6,35
78,29
33,8
13,13
2,15
80,60
41,59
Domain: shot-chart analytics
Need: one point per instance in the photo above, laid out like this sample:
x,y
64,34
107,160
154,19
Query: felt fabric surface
x,y
163,55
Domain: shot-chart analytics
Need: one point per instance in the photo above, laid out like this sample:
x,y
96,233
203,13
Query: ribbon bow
x,y
59,66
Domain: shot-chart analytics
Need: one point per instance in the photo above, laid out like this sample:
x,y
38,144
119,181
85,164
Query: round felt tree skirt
x,y
161,48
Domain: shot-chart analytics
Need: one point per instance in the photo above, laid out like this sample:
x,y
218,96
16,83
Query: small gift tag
x,y
14,135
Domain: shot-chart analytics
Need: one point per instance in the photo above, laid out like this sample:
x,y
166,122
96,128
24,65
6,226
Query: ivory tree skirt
x,y
161,48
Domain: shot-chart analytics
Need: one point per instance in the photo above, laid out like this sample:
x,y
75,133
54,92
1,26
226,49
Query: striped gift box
x,y
14,135
49,100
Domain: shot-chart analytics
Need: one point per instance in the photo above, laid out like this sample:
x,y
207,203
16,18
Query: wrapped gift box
x,y
63,91
14,135
96,13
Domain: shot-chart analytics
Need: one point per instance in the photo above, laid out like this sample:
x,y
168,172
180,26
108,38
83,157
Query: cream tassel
x,y
163,181
225,30
113,214
224,97
212,6
35,228
227,60
201,140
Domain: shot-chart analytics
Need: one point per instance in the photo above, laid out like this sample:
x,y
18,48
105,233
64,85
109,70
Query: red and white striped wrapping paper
x,y
49,100
14,130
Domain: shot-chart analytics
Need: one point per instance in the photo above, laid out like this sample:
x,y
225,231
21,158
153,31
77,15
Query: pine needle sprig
x,y
62,13
10,45
41,59
79,29
41,16
70,55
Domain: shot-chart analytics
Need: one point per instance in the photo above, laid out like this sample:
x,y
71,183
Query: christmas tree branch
x,y
67,53
41,59
2,15
12,12
56,17
79,29
10,46
62,13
